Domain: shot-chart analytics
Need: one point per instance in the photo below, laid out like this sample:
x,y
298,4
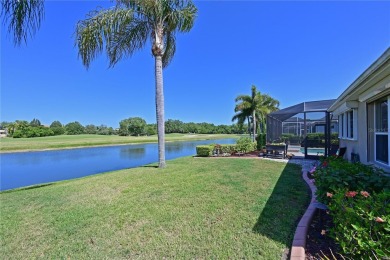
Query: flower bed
x,y
358,198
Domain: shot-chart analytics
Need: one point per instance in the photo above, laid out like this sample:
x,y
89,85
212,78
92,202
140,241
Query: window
x,y
381,131
341,120
348,125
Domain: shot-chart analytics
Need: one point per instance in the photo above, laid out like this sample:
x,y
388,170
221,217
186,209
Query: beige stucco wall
x,y
353,145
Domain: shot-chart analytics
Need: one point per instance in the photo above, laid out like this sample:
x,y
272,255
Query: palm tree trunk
x,y
249,128
254,126
160,111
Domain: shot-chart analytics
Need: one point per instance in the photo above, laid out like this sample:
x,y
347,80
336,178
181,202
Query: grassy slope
x,y
195,208
69,141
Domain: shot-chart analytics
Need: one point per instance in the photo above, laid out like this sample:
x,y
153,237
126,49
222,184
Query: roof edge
x,y
385,57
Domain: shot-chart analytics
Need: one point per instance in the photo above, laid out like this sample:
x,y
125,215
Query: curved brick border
x,y
299,242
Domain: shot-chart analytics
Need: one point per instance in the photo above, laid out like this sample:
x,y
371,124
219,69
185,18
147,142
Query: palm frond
x,y
23,18
170,49
244,98
101,29
130,38
180,15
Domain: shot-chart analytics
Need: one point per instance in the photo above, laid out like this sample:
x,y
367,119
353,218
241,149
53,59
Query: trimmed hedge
x,y
244,145
204,150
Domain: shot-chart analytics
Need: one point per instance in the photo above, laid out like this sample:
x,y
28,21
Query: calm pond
x,y
24,169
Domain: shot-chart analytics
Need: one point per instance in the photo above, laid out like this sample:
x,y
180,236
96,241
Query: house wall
x,y
360,97
353,145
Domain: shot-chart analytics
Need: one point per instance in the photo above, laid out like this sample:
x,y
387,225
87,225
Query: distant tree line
x,y
133,126
137,126
24,129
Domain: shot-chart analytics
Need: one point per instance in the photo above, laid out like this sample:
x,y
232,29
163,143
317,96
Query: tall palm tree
x,y
23,18
126,28
254,107
241,115
266,105
247,108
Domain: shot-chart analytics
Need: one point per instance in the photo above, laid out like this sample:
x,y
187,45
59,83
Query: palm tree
x,y
255,108
126,28
241,115
23,18
266,105
247,108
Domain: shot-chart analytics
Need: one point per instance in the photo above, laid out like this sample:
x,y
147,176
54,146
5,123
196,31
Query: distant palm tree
x,y
23,18
266,105
254,108
126,28
241,115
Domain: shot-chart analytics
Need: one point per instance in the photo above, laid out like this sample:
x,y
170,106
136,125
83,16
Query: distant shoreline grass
x,y
195,208
10,145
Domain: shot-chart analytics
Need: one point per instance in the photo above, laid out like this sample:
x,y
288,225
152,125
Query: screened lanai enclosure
x,y
308,129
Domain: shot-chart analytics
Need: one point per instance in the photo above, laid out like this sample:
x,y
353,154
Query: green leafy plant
x,y
361,223
336,173
358,197
245,145
204,150
261,141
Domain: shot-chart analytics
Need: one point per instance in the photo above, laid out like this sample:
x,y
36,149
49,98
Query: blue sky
x,y
294,51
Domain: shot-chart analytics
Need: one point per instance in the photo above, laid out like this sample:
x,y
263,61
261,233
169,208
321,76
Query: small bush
x,y
361,223
358,197
261,141
245,145
204,150
336,173
224,149
228,148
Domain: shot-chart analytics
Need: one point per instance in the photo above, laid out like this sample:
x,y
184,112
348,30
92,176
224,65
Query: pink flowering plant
x,y
358,198
335,173
361,223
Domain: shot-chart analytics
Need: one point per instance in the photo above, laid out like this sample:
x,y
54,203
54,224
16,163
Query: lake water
x,y
30,168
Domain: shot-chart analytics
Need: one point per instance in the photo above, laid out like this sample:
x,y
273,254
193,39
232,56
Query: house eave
x,y
382,64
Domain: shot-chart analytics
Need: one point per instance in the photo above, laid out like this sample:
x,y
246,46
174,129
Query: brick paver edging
x,y
299,242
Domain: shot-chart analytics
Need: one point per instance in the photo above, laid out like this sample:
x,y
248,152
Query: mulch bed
x,y
319,245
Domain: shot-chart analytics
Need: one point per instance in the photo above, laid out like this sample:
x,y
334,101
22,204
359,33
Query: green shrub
x,y
336,173
204,150
358,197
291,138
17,134
30,132
261,141
245,145
228,148
361,223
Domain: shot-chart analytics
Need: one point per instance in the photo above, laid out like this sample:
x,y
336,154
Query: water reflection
x,y
132,152
22,169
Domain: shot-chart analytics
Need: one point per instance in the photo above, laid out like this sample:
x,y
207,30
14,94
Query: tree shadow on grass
x,y
149,166
284,208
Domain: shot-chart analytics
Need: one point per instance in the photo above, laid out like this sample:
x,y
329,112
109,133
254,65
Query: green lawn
x,y
70,141
196,208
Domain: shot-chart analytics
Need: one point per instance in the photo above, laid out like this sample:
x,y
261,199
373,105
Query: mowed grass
x,y
71,141
196,208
